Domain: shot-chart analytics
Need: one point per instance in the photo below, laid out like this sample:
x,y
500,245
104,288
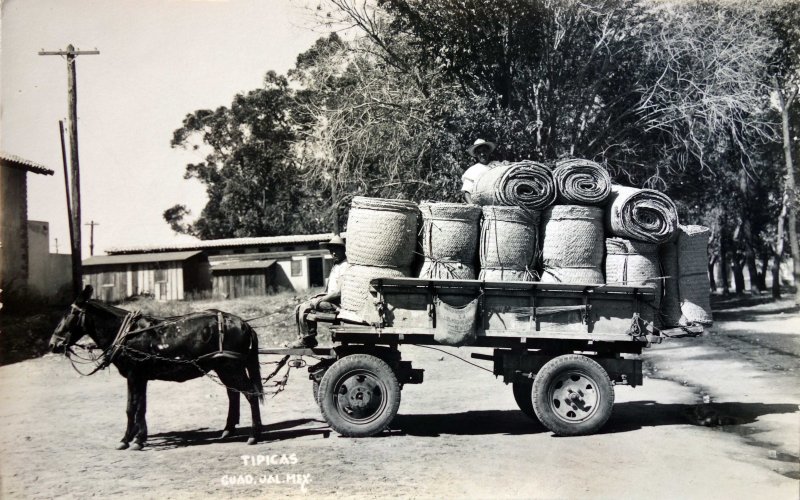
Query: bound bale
x,y
446,270
450,231
525,184
631,262
581,182
687,288
509,243
641,214
381,232
572,244
356,296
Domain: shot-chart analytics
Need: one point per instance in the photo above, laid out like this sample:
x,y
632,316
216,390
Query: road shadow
x,y
626,417
277,431
634,415
750,315
470,423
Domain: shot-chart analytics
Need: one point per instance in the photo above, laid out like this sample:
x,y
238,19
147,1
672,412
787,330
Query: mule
x,y
145,348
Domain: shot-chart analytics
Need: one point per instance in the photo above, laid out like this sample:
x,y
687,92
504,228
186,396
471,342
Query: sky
x,y
159,60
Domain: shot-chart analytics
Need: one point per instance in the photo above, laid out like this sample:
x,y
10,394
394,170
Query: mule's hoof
x,y
252,440
137,446
226,433
123,446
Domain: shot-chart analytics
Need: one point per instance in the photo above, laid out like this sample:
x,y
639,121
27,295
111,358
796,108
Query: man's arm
x,y
328,297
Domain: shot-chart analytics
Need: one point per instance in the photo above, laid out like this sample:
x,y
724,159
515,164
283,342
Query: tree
x,y
785,18
249,169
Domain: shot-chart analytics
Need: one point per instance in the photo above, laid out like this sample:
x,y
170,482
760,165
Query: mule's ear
x,y
85,295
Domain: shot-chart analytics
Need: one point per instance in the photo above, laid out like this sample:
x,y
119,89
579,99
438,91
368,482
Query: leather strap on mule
x,y
113,350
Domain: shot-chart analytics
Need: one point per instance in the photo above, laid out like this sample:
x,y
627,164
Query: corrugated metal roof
x,y
24,164
104,260
247,264
227,243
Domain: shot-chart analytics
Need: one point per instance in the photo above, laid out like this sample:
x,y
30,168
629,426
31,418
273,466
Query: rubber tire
x,y
549,375
345,367
523,395
315,390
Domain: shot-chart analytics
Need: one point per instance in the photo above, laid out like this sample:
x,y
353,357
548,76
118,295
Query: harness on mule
x,y
126,331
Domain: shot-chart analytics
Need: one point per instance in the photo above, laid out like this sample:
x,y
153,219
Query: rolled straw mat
x,y
525,184
581,182
641,214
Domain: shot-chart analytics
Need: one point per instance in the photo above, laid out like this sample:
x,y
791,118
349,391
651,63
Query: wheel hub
x,y
573,396
360,396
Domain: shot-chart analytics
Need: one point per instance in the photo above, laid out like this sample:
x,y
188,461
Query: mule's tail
x,y
253,366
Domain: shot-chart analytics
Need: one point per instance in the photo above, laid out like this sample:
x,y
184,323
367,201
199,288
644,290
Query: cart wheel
x,y
523,396
359,395
572,395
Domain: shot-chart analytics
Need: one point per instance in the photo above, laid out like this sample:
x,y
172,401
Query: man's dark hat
x,y
336,241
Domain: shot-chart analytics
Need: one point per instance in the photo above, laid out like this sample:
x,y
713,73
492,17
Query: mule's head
x,y
73,325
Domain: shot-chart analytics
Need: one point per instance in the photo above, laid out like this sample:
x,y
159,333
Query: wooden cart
x,y
562,347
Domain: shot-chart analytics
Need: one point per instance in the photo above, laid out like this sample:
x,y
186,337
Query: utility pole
x,y
91,236
72,108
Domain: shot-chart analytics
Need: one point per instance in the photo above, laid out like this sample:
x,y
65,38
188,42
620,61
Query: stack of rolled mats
x,y
381,240
565,225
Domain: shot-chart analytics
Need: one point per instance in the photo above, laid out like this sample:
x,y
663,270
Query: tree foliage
x,y
673,95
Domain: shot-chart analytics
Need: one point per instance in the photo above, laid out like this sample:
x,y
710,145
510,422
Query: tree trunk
x,y
752,271
785,102
778,255
738,275
762,273
722,264
711,280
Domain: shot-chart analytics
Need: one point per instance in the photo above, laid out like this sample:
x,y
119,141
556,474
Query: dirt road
x,y
458,435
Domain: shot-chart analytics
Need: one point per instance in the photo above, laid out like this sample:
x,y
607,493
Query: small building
x,y
25,258
254,266
164,275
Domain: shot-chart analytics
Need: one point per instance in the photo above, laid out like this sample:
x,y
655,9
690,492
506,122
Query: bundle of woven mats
x,y
686,287
356,295
641,214
581,182
449,240
525,184
631,262
381,243
509,244
572,244
381,232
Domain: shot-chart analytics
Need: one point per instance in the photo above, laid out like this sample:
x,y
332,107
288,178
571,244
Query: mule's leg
x,y
238,382
255,411
233,403
130,410
141,410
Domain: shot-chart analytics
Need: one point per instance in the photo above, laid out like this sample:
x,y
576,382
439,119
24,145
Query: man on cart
x,y
326,302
